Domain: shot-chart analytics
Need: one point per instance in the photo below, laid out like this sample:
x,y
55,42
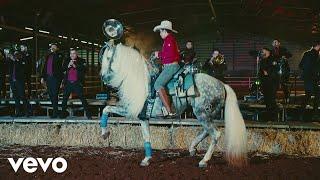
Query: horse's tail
x,y
235,130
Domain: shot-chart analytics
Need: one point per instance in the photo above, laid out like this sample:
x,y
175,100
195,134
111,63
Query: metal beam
x,y
38,34
214,15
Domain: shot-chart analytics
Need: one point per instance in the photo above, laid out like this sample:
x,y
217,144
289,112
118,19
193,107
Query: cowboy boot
x,y
166,102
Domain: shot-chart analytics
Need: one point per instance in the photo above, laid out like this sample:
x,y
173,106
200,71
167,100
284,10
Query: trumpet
x,y
217,60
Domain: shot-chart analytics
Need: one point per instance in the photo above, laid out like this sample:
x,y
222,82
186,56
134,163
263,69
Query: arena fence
x,y
278,138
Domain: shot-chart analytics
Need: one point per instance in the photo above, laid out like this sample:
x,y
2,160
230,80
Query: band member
x,y
170,58
2,74
188,54
27,58
216,65
52,75
269,81
310,74
281,55
17,74
73,82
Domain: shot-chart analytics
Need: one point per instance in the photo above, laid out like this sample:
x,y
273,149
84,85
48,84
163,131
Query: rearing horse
x,y
124,68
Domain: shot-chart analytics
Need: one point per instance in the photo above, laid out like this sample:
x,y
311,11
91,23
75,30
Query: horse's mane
x,y
132,76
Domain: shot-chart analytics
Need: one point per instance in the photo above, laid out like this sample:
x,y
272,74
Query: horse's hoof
x,y
203,165
105,135
145,162
193,153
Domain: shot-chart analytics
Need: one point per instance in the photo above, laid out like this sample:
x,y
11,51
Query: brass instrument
x,y
112,29
217,60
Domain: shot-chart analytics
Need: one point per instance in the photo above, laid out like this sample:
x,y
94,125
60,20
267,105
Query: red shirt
x,y
50,65
72,75
170,50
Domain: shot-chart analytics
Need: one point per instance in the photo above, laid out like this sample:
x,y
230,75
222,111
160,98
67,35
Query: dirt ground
x,y
117,163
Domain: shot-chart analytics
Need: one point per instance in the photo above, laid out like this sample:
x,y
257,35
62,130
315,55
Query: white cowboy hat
x,y
165,25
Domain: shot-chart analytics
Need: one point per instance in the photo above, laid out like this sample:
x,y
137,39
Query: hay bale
x,y
32,134
79,135
160,137
177,137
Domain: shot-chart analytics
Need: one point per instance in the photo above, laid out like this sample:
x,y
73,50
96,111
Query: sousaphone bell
x,y
112,29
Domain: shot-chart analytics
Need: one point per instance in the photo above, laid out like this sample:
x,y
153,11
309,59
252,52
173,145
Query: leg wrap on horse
x,y
104,120
147,149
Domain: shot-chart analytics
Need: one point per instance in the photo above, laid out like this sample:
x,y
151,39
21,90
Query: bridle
x,y
108,45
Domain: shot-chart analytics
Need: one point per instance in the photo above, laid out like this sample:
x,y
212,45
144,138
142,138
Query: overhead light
x,y
84,42
89,42
59,36
72,39
25,39
76,39
0,28
64,37
27,28
42,31
95,44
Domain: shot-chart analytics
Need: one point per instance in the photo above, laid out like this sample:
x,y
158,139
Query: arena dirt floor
x,y
117,163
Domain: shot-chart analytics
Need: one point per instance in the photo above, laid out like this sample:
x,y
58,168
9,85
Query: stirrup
x,y
171,115
168,115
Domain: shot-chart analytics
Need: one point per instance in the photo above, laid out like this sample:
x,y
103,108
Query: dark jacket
x,y
27,58
57,66
310,65
80,67
2,64
281,52
20,69
270,66
188,55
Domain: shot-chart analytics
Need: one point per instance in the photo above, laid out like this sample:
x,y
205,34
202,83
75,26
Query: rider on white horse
x,y
170,58
134,87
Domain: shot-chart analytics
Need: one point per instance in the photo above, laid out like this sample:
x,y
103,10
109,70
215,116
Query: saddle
x,y
180,86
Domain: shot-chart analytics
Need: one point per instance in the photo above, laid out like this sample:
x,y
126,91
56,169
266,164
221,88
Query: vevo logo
x,y
30,164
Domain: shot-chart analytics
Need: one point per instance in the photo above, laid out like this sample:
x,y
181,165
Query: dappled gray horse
x,y
128,71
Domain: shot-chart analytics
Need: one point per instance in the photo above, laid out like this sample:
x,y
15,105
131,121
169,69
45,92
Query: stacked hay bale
x,y
302,142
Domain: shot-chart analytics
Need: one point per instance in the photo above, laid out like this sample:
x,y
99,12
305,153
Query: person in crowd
x,y
269,82
281,55
74,70
216,65
27,58
170,58
188,54
52,75
2,74
310,67
17,74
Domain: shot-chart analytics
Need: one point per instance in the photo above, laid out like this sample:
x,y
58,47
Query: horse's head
x,y
106,57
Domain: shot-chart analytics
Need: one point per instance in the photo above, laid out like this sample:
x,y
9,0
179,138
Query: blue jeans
x,y
165,76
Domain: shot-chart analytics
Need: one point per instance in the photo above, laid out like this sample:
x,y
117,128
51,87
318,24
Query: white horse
x,y
124,68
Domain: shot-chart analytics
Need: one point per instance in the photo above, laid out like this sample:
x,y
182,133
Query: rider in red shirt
x,y
170,58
